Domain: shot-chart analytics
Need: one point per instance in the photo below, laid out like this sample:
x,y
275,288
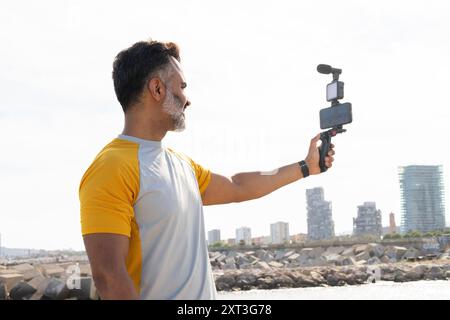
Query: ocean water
x,y
382,290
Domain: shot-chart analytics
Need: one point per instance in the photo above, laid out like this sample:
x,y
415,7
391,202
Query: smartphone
x,y
336,115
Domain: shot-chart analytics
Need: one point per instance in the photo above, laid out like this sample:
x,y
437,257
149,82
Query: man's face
x,y
176,101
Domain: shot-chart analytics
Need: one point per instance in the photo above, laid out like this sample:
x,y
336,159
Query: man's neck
x,y
144,128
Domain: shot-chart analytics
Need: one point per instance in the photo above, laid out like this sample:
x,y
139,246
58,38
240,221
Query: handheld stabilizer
x,y
335,116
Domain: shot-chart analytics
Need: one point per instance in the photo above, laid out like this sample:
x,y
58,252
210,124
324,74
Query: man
x,y
142,204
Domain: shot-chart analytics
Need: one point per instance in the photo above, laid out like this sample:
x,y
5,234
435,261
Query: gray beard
x,y
173,106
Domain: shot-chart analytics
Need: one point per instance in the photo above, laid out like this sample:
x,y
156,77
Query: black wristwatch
x,y
304,168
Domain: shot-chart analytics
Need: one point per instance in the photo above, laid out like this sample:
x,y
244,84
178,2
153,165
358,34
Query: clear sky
x,y
255,93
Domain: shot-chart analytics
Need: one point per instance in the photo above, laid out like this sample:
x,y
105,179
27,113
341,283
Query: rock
x,y
242,260
27,270
293,264
52,270
331,258
293,257
347,261
55,290
317,277
3,291
348,252
275,264
21,291
260,253
363,255
316,252
400,276
318,262
306,251
411,253
229,266
246,281
377,249
221,258
265,283
361,248
395,252
37,281
10,279
225,282
279,254
360,277
262,265
283,281
267,257
214,255
288,254
246,266
444,256
387,276
385,259
334,280
373,260
435,273
413,275
230,260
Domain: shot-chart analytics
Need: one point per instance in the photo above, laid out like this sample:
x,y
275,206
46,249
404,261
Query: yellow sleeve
x,y
202,174
108,191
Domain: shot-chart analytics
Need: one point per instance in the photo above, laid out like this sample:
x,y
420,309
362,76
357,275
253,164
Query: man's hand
x,y
312,159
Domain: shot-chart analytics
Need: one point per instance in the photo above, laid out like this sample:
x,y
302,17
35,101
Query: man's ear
x,y
157,89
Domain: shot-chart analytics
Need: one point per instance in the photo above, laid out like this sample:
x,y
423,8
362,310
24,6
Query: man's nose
x,y
188,103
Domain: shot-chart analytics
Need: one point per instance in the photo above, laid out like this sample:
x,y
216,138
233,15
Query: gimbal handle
x,y
325,137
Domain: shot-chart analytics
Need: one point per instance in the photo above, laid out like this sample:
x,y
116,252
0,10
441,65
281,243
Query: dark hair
x,y
133,67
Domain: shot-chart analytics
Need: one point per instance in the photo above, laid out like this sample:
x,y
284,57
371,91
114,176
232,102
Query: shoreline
x,y
381,290
251,279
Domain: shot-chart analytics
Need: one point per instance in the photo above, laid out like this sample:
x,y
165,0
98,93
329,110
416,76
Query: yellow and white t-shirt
x,y
152,195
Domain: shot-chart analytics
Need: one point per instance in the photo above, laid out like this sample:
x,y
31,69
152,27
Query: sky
x,y
255,92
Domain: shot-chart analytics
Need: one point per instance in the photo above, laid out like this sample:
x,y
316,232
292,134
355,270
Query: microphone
x,y
326,69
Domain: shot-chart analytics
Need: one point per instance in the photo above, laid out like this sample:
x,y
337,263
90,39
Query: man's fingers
x,y
314,141
331,152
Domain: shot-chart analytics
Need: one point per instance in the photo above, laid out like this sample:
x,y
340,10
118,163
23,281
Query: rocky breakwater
x,y
61,281
332,266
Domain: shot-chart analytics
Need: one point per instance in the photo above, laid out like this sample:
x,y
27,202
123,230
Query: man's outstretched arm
x,y
252,185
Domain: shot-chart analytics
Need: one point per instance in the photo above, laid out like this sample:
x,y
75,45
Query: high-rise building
x,y
279,232
320,222
213,236
245,234
422,198
392,224
368,220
